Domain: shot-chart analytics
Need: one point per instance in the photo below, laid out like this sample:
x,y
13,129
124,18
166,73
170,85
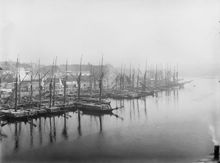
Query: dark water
x,y
172,127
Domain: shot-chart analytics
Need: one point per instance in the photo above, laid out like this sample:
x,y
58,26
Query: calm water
x,y
172,127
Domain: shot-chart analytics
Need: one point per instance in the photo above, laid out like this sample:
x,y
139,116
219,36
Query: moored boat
x,y
94,107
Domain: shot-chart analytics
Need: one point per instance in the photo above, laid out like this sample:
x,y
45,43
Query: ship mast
x,y
64,91
54,82
31,83
50,86
40,88
79,78
16,87
100,82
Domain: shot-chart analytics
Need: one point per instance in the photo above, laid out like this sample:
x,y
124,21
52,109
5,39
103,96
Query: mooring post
x,y
216,152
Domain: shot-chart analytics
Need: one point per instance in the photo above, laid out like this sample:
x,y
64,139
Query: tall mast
x,y
145,79
19,84
79,78
64,91
16,87
40,87
124,77
145,76
138,78
156,77
133,78
100,81
54,81
0,83
121,78
177,74
130,76
31,82
50,86
90,79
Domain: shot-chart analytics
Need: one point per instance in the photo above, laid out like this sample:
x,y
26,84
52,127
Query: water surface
x,y
170,127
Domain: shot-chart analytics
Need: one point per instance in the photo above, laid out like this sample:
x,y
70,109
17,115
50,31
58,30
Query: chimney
x,y
216,152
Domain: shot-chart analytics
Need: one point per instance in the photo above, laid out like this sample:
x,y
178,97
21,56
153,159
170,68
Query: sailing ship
x,y
93,105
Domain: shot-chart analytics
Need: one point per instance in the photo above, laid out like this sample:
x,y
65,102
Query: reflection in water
x,y
54,129
2,136
31,133
64,132
20,128
133,108
16,146
100,124
50,134
68,127
40,132
176,95
79,124
138,109
130,113
145,107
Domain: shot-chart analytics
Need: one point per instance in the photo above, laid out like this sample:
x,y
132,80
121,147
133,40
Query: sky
x,y
136,32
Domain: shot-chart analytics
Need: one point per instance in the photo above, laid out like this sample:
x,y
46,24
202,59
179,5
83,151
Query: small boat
x,y
21,113
94,107
95,100
53,109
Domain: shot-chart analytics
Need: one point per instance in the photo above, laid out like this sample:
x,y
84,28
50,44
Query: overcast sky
x,y
124,31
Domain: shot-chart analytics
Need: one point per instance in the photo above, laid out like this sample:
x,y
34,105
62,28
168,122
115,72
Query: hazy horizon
x,y
174,32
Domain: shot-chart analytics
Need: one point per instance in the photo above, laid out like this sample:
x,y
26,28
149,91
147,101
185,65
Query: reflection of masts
x,y
19,127
130,111
138,108
100,122
50,134
64,133
133,107
145,107
40,131
16,138
54,129
31,133
2,135
79,124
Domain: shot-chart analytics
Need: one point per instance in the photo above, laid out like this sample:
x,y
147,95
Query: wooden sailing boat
x,y
91,106
17,111
64,105
52,88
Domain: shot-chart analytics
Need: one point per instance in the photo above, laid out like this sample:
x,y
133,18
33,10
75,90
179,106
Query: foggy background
x,y
124,31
